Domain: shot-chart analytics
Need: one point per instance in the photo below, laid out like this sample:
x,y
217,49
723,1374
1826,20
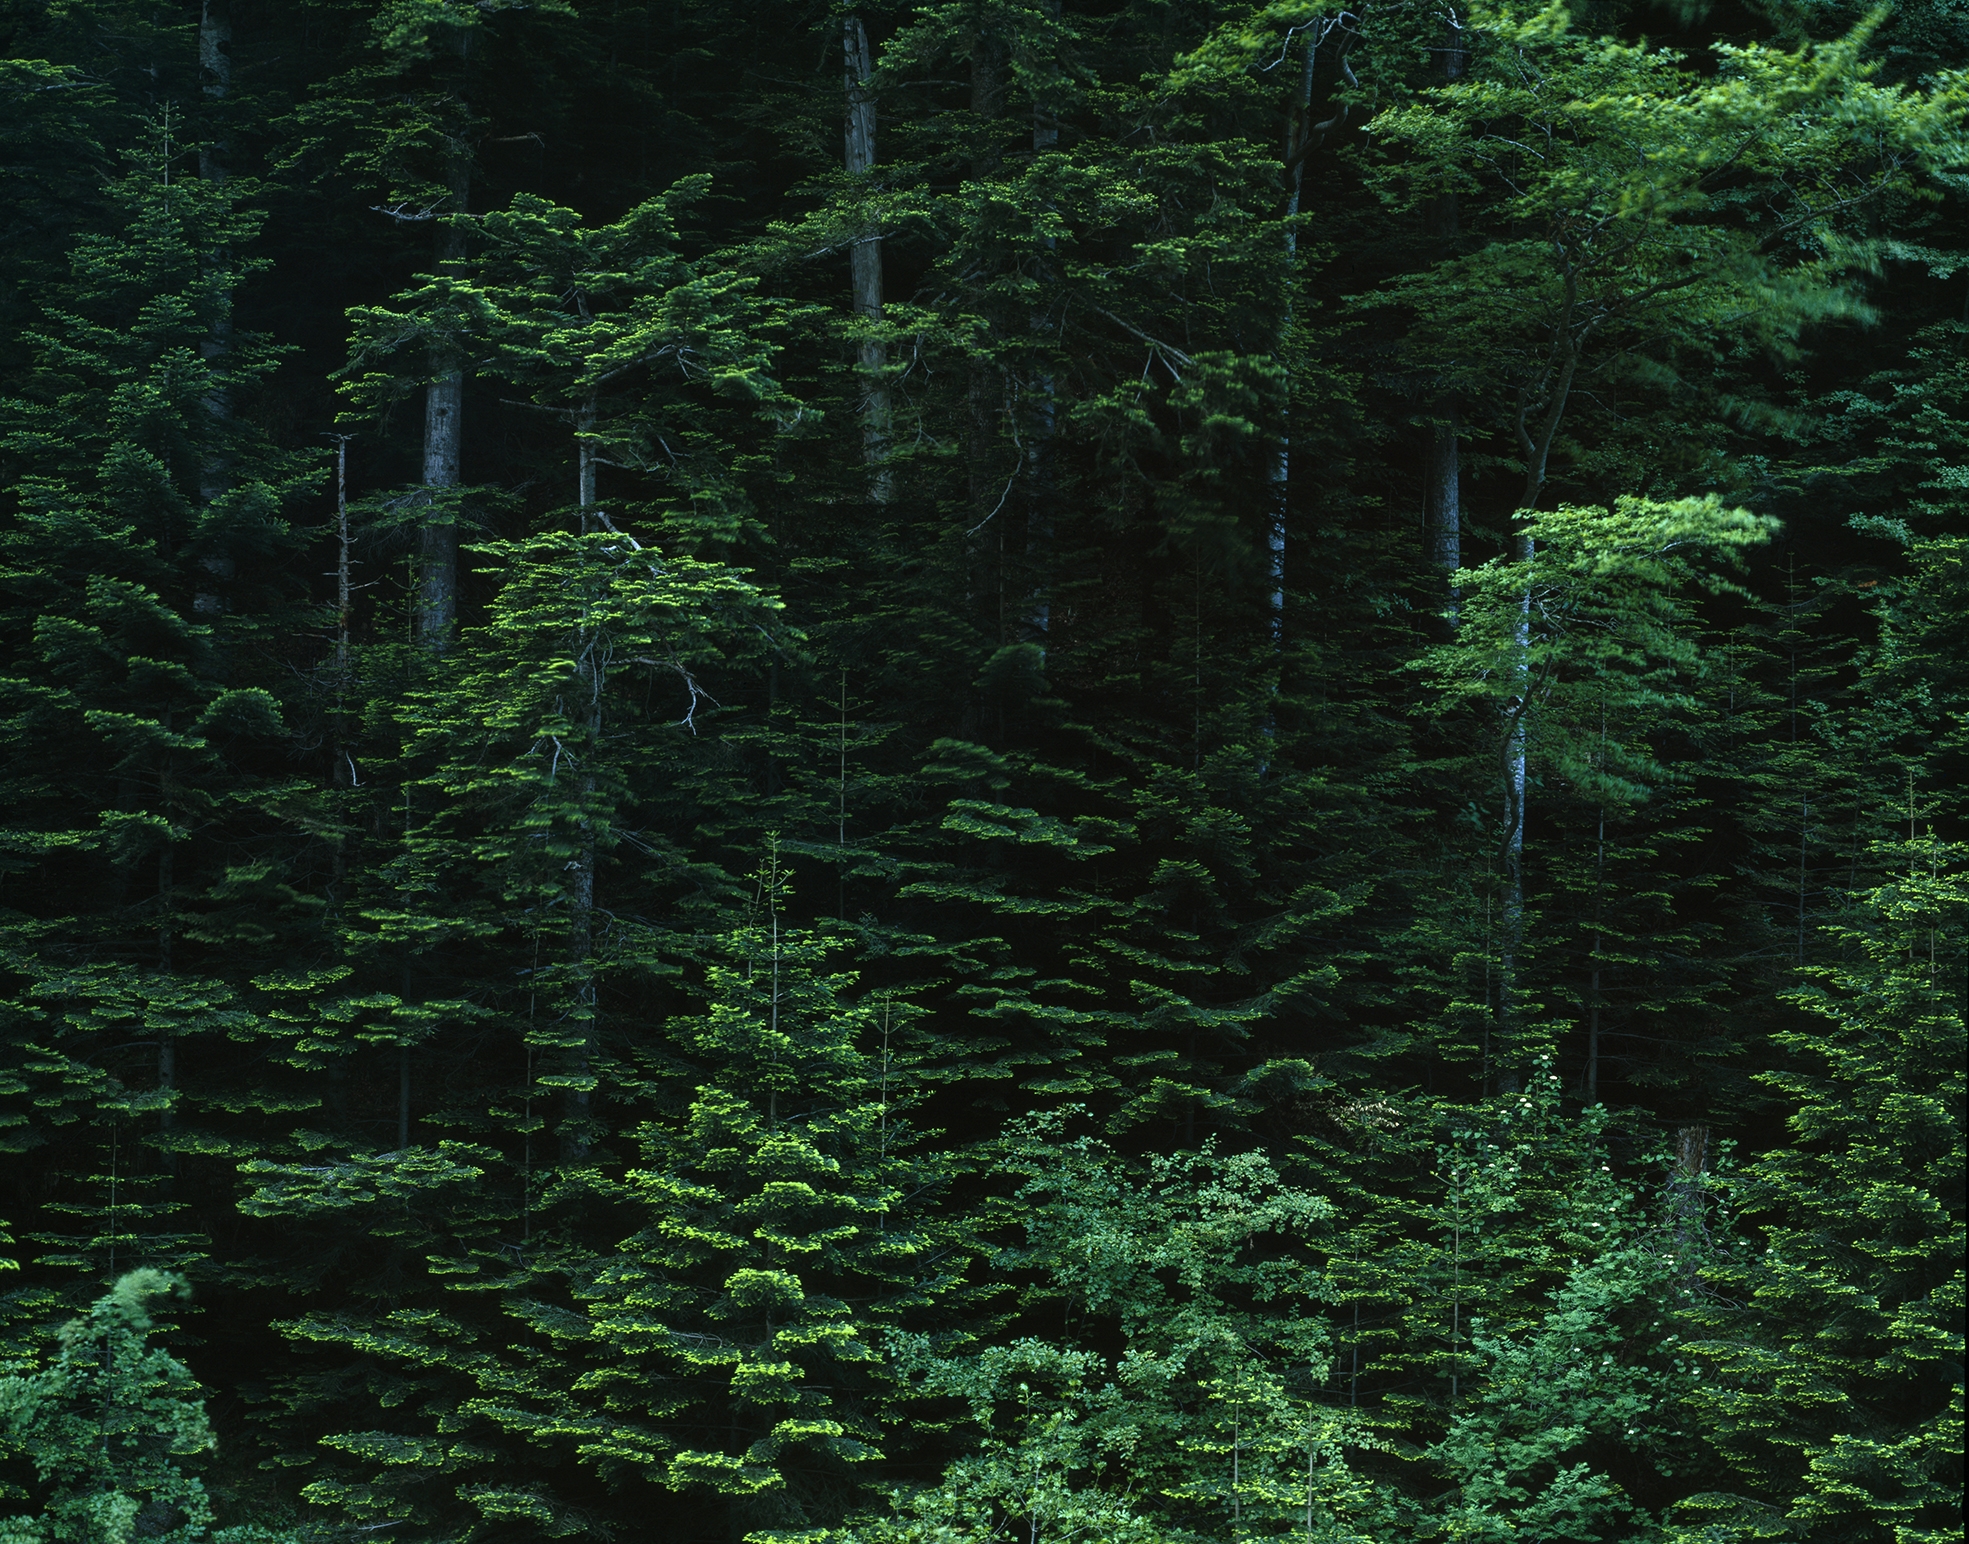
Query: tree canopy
x,y
1050,770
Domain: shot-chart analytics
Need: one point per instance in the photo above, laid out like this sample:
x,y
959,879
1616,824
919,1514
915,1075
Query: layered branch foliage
x,y
1211,792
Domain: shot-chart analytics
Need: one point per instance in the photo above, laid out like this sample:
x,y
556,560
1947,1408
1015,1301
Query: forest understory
x,y
1050,771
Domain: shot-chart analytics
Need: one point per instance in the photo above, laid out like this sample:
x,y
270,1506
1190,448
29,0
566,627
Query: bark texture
x,y
865,262
444,435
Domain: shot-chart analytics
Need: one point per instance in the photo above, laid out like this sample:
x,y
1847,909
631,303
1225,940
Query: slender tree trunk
x,y
1567,346
1593,989
444,433
1445,485
167,1037
214,469
1445,471
1298,129
865,263
987,575
584,451
1686,1185
214,79
343,591
1512,913
1044,419
576,1135
343,769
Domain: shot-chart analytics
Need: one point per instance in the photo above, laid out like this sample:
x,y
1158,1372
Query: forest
x,y
939,771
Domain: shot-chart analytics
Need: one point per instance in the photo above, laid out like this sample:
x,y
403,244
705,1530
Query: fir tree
x,y
112,1429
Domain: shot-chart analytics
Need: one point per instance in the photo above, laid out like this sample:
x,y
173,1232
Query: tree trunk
x,y
1043,423
584,451
1511,943
865,263
1297,133
444,430
214,79
1685,1189
1568,342
1445,469
167,1036
576,1134
1445,485
214,469
1593,988
985,561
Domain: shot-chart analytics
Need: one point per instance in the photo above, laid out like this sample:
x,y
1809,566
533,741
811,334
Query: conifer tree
x,y
1602,258
137,595
111,1430
1835,1390
1032,523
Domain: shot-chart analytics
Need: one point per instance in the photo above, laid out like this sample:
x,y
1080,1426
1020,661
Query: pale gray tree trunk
x,y
1043,425
1569,337
444,433
865,263
344,770
1445,474
984,394
1445,466
214,468
1302,138
167,1038
214,78
1593,986
1444,469
1297,130
578,1103
585,458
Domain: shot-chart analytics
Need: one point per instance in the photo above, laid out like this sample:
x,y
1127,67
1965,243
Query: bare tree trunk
x,y
985,565
1446,494
1445,466
584,450
344,770
214,468
576,1135
444,432
1685,1188
865,263
214,78
343,592
1569,340
1302,138
1445,469
1512,929
1044,422
1593,990
1296,133
167,1036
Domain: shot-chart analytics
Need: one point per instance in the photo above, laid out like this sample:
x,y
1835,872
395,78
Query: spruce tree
x,y
112,1430
1835,1389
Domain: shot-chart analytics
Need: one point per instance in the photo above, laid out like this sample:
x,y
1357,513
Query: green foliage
x,y
1631,219
1587,647
111,1429
1836,1387
971,933
1204,1414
